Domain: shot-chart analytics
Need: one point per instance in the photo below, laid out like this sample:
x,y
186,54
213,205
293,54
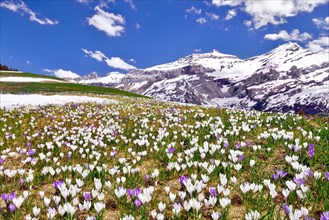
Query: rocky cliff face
x,y
288,78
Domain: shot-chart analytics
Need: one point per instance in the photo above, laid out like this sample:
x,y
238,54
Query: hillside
x,y
29,83
146,159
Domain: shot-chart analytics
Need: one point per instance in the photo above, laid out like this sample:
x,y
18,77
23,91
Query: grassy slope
x,y
54,87
19,74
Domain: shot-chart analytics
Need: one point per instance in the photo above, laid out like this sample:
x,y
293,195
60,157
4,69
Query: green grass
x,y
54,87
24,74
18,88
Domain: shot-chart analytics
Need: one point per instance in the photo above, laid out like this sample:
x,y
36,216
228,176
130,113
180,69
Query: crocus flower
x,y
5,196
299,181
240,157
171,150
324,216
12,208
275,176
87,196
212,191
57,184
28,145
182,180
31,152
286,209
137,203
311,150
1,160
69,156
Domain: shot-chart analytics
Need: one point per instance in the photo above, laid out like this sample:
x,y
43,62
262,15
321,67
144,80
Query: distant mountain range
x,y
287,78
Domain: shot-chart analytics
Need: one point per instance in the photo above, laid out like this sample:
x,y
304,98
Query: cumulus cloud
x,y
60,73
21,7
295,35
226,2
319,44
230,14
114,62
111,24
194,10
321,23
201,20
264,12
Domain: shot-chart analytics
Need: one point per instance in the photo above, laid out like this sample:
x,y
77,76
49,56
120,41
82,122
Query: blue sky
x,y
81,36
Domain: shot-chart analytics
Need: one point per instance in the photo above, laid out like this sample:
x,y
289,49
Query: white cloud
x,y
197,50
83,1
138,26
230,14
131,3
319,44
295,35
132,60
21,7
114,62
60,73
111,24
194,10
98,55
212,16
28,62
321,23
226,2
118,63
201,20
264,12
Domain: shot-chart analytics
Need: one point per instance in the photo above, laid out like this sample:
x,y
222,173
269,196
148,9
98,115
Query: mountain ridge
x,y
288,77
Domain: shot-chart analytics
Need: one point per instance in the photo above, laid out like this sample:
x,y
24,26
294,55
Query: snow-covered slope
x,y
286,78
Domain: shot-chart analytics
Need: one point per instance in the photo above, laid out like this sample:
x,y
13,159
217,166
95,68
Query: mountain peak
x,y
289,46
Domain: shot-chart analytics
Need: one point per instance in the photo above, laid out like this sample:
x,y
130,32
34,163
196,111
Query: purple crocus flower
x,y
171,150
311,152
182,180
226,144
281,173
12,207
299,181
28,145
147,177
1,160
309,218
21,181
275,176
57,184
87,196
137,191
137,203
286,208
31,152
12,195
130,192
5,196
324,216
69,156
212,191
326,174
240,157
238,145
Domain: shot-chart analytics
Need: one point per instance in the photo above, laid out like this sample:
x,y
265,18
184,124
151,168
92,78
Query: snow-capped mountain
x,y
286,78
